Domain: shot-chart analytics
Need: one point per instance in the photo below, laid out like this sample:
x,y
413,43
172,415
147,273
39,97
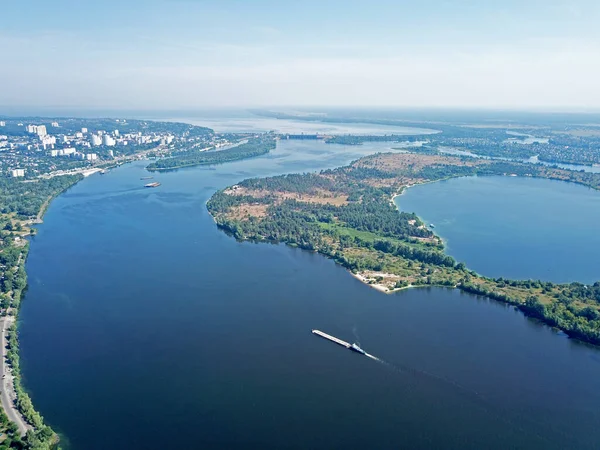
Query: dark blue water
x,y
516,228
146,327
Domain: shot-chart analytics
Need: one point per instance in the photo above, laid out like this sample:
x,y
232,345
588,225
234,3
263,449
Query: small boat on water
x,y
102,172
155,184
431,225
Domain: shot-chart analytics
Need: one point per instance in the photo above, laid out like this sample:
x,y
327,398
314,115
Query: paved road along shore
x,y
8,395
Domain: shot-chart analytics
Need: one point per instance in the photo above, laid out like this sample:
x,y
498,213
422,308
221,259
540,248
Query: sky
x,y
186,54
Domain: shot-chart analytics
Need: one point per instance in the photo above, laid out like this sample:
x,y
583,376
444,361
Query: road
x,y
8,393
87,170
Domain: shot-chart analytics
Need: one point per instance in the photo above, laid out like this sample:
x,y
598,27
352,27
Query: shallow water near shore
x,y
144,326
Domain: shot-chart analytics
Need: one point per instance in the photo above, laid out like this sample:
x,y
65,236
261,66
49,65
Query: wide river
x,y
144,326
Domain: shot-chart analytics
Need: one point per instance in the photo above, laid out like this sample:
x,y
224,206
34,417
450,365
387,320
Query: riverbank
x,y
253,147
8,394
21,200
389,249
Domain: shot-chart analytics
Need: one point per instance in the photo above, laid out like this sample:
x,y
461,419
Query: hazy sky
x,y
168,54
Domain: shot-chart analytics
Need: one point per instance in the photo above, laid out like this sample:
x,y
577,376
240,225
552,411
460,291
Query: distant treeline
x,y
73,125
359,140
575,143
254,147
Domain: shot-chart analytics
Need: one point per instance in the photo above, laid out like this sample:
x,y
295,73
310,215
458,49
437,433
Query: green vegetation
x,y
22,202
557,139
73,125
346,214
359,140
42,437
254,147
25,151
25,199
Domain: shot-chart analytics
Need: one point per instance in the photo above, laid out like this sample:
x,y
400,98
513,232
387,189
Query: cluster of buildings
x,y
73,153
42,139
30,149
78,144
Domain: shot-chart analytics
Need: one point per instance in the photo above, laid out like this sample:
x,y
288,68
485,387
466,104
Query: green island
x,y
348,214
23,204
255,146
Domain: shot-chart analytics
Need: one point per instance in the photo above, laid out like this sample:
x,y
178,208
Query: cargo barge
x,y
354,347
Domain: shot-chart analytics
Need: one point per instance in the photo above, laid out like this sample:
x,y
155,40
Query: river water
x,y
250,123
144,326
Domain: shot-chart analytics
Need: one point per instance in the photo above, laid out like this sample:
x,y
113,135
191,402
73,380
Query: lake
x,y
512,227
144,326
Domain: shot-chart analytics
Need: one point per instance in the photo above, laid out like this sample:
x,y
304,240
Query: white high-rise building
x,y
55,124
91,156
2,123
32,129
48,140
18,173
96,140
117,133
41,130
84,130
108,141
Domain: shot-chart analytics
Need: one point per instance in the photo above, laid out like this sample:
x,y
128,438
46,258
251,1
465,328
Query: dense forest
x,y
25,199
346,214
254,147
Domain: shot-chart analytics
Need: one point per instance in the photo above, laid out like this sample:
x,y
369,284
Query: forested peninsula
x,y
347,214
254,147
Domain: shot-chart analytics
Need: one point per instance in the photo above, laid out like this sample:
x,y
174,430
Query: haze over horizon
x,y
161,54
